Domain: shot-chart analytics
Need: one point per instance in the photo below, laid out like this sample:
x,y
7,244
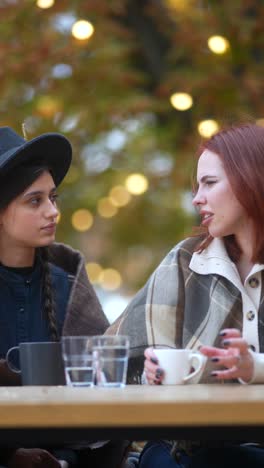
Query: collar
x,y
15,275
215,260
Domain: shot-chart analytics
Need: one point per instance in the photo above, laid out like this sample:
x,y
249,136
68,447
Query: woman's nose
x,y
52,210
198,199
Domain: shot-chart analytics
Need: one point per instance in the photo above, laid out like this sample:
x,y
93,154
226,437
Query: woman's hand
x,y
235,357
31,458
7,377
154,374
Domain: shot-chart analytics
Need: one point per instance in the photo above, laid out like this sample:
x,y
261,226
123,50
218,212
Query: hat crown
x,y
52,149
9,140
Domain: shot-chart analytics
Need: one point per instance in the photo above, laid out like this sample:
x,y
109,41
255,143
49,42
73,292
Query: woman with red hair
x,y
208,292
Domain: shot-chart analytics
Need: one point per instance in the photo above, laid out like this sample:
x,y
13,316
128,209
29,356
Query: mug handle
x,y
9,363
200,363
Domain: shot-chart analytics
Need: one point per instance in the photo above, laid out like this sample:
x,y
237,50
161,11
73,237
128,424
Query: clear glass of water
x,y
78,360
111,360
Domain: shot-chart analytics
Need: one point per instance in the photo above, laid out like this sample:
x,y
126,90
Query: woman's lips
x,y
50,227
206,219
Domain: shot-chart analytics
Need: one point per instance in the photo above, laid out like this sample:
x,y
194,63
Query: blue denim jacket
x,y
21,305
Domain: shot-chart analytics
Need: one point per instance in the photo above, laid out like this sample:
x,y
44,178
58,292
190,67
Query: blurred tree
x,y
110,95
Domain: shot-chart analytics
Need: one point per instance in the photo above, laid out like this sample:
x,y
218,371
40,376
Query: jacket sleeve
x,y
84,312
258,369
154,316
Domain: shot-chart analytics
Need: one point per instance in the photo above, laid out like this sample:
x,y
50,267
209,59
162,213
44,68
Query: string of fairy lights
x,y
182,101
82,220
119,196
135,184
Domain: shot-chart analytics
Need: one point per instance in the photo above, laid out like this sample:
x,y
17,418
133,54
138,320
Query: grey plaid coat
x,y
180,308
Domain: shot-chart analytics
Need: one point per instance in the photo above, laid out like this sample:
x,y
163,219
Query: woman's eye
x,y
54,198
210,182
35,201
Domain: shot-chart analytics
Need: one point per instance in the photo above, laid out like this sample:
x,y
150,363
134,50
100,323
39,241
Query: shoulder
x,y
181,252
66,258
60,249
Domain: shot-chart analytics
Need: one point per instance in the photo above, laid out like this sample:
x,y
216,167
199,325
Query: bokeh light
x,y
93,271
181,101
136,184
218,44
45,3
82,30
207,128
119,196
110,279
179,5
105,208
82,220
48,106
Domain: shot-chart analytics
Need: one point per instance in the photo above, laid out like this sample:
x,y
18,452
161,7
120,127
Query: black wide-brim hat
x,y
50,149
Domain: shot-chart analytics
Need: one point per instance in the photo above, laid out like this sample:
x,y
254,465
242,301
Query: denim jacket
x,y
78,311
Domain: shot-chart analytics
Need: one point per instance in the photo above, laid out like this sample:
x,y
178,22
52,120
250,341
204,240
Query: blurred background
x,y
135,85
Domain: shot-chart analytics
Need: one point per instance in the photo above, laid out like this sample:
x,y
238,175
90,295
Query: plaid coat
x,y
180,308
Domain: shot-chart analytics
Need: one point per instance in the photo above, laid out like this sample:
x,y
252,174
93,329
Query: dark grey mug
x,y
40,363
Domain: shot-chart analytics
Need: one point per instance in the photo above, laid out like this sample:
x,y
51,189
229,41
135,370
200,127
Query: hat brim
x,y
52,149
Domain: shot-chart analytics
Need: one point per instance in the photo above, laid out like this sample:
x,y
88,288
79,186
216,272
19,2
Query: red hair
x,y
241,150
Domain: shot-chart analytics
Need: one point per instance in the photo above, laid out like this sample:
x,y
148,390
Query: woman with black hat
x,y
44,289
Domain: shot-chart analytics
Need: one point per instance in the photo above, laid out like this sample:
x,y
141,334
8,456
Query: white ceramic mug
x,y
177,365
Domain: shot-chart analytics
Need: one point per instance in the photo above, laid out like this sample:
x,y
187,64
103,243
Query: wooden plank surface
x,y
201,405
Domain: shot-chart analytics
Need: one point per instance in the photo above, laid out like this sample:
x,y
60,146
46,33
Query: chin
x,y
217,233
46,243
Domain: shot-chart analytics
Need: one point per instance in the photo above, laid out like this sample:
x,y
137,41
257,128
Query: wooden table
x,y
60,414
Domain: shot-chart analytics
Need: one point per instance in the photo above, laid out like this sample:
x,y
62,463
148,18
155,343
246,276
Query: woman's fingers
x,y
212,351
222,357
149,354
242,370
227,374
230,333
153,372
236,343
234,357
228,361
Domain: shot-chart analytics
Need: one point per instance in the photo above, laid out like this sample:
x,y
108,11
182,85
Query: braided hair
x,y
11,187
48,295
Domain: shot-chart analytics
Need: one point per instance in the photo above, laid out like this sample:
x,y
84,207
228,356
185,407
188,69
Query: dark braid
x,y
49,305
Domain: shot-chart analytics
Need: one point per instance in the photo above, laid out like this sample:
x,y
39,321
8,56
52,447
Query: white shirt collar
x,y
215,260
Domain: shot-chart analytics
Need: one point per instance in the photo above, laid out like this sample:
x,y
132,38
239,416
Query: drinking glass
x,y
78,361
111,360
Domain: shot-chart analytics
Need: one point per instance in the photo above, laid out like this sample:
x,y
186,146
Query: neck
x,y
17,257
244,265
245,240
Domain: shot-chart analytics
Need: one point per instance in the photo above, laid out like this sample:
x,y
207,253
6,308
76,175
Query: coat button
x,y
250,315
253,282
